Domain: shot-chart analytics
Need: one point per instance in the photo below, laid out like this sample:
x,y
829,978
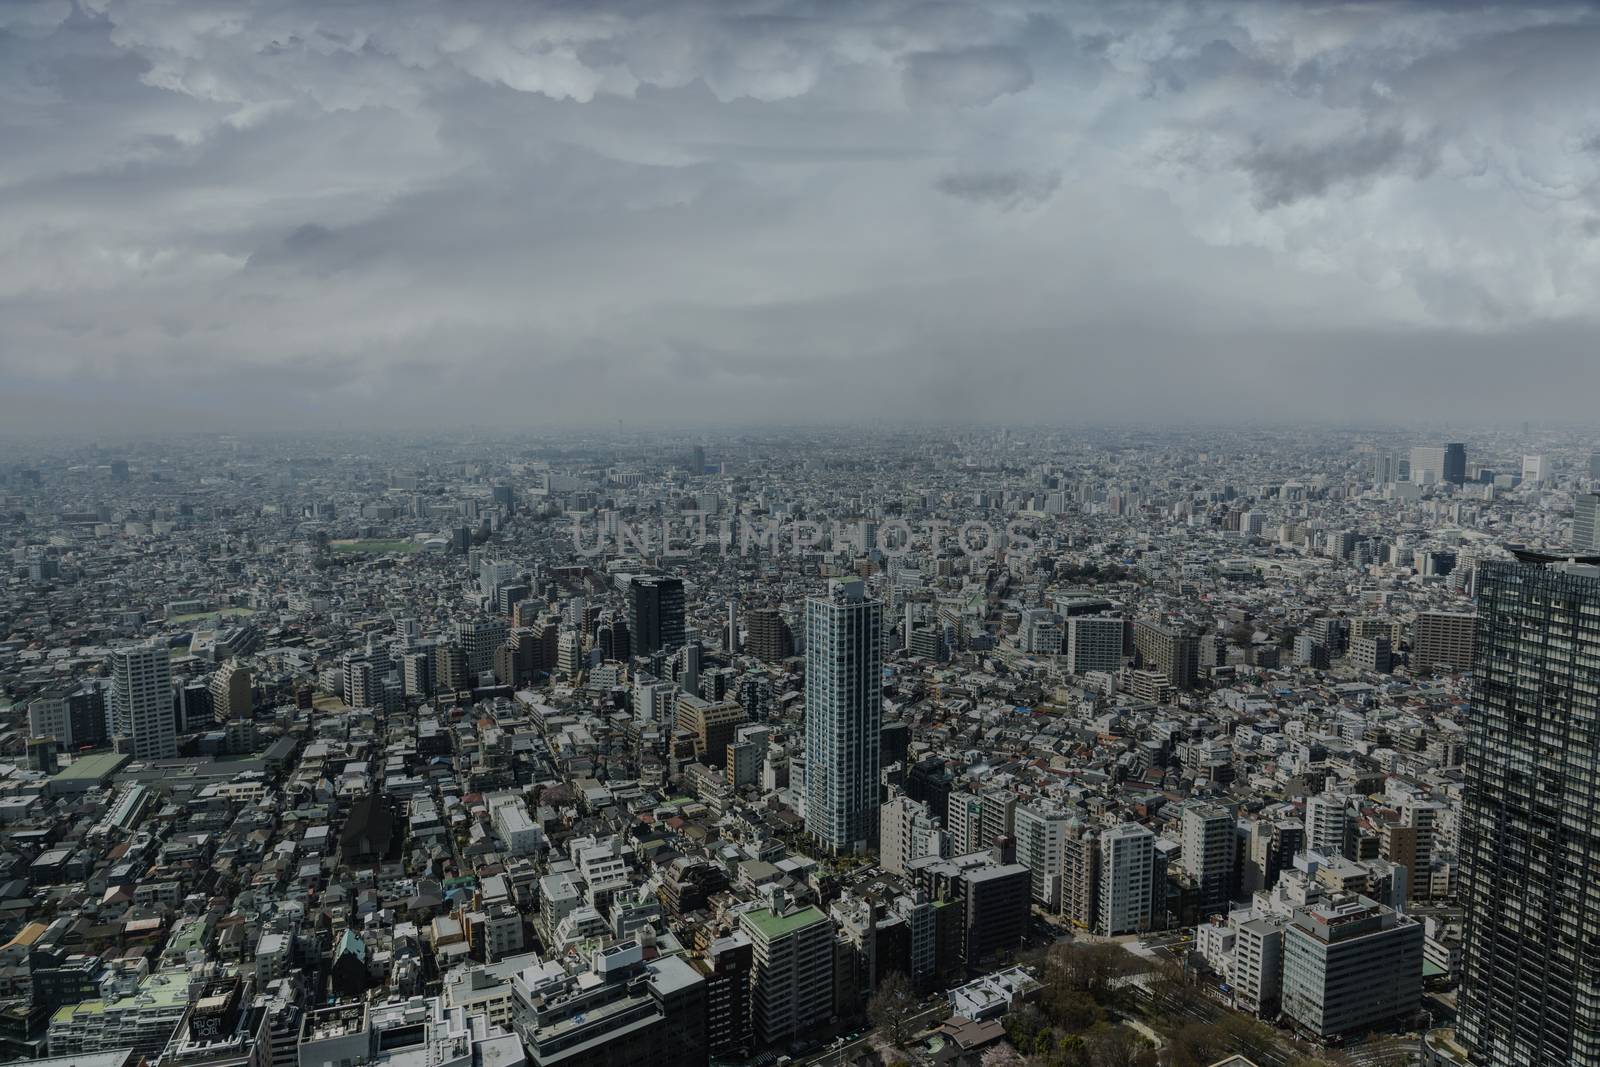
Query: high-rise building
x,y
1350,965
1440,639
1535,470
1168,649
1455,464
844,714
1586,523
768,637
1041,835
1432,465
655,613
1210,852
1127,862
478,638
1094,643
1080,875
1530,825
1327,823
791,985
142,702
230,692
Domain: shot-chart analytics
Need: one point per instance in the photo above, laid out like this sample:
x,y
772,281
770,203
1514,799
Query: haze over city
x,y
798,533
734,212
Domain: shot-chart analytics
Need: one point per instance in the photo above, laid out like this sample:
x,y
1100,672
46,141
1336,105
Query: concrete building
x,y
1169,649
1350,966
142,701
1210,854
1041,835
1442,639
791,986
230,692
1127,857
844,714
1094,643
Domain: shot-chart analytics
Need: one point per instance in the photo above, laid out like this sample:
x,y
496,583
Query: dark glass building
x,y
1530,833
655,613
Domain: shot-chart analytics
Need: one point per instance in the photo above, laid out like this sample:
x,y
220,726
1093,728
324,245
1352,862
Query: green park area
x,y
377,547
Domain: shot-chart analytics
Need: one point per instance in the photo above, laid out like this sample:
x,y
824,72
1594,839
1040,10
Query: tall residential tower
x,y
1530,827
844,712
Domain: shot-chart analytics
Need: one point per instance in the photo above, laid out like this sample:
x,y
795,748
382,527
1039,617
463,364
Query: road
x,y
841,1053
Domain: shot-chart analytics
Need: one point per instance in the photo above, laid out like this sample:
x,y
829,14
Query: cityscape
x,y
583,533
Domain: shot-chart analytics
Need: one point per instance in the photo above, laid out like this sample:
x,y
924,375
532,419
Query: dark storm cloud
x,y
1005,189
756,208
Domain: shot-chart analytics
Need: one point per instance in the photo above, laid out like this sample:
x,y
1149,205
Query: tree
x,y
892,1008
1197,1045
1118,1046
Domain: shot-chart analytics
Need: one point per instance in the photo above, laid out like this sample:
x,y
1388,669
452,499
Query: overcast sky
x,y
305,212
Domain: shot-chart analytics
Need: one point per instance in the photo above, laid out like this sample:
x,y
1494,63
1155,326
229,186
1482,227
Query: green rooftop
x,y
771,927
95,765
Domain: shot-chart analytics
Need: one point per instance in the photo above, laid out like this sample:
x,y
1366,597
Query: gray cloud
x,y
1005,189
569,211
965,77
1285,173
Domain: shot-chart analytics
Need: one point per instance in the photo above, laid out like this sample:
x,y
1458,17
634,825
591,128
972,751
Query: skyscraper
x,y
1585,528
844,713
141,701
1455,463
1435,464
655,613
1530,825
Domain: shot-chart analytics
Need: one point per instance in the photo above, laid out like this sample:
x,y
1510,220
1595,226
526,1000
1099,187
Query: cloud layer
x,y
229,215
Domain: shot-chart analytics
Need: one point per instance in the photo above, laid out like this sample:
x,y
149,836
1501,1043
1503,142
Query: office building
x,y
142,701
791,983
479,638
1127,860
1210,853
1094,643
844,714
712,724
621,1008
655,613
1433,465
1586,524
1440,640
1535,470
1351,965
1530,825
50,715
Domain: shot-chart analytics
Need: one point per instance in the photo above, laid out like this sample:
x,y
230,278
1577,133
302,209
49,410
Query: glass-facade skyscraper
x,y
1530,831
844,713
